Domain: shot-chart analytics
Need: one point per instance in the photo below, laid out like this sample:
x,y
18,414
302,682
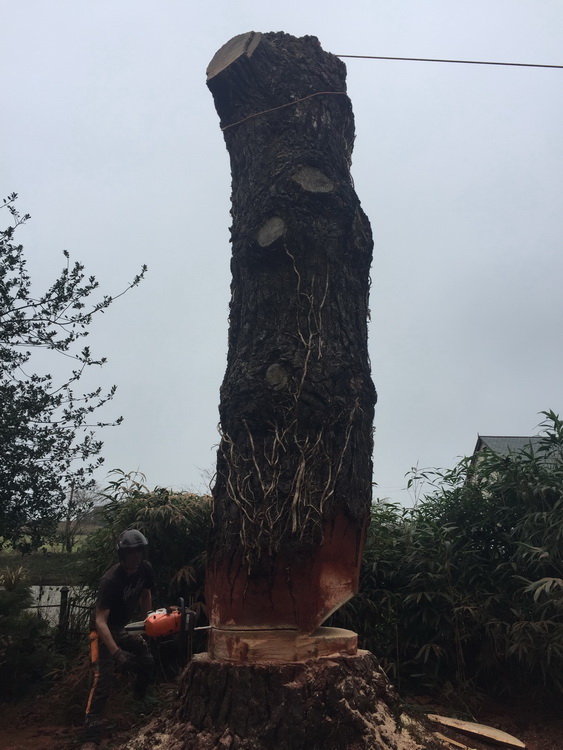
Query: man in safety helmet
x,y
124,588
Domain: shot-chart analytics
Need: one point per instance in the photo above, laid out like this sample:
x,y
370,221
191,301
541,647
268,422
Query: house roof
x,y
505,444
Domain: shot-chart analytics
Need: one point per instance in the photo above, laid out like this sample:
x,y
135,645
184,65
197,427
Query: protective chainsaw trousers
x,y
102,665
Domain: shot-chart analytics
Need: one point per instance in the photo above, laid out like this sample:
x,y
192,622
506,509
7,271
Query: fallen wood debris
x,y
479,731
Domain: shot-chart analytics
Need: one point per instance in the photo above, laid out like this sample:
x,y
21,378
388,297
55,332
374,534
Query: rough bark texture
x,y
297,400
294,468
341,703
328,704
336,703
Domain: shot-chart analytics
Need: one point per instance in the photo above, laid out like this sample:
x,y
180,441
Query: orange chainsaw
x,y
168,621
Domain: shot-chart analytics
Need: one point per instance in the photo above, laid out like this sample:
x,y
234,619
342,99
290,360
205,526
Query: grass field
x,y
45,569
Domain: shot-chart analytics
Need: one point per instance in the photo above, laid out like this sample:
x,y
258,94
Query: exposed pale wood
x,y
264,646
481,731
243,44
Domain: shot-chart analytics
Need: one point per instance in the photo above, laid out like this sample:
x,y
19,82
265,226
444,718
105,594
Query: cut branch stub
x,y
294,468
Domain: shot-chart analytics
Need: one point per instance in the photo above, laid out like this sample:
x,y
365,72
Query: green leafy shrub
x,y
465,591
176,525
49,449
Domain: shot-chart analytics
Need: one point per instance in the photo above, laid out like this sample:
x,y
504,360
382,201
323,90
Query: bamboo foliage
x,y
466,589
176,525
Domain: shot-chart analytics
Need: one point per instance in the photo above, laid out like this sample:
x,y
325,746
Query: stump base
x,y
331,703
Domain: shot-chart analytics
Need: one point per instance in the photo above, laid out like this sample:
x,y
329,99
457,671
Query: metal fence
x,y
68,615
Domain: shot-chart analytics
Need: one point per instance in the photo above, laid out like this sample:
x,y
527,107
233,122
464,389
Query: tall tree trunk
x,y
294,469
294,465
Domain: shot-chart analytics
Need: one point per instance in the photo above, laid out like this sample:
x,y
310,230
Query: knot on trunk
x,y
313,180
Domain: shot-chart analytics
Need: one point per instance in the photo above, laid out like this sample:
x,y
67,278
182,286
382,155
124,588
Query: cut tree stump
x,y
331,703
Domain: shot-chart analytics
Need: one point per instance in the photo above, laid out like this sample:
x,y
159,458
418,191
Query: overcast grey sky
x,y
110,137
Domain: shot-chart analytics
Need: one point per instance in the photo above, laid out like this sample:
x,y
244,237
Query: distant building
x,y
522,446
505,445
502,445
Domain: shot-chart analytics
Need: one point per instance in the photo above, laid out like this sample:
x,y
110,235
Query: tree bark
x,y
294,467
338,704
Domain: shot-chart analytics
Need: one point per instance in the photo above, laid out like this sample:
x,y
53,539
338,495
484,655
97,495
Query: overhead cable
x,y
463,62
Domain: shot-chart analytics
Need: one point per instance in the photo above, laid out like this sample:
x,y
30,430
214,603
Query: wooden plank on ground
x,y
479,731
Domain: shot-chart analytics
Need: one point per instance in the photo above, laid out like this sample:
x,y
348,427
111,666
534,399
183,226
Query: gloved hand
x,y
124,662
